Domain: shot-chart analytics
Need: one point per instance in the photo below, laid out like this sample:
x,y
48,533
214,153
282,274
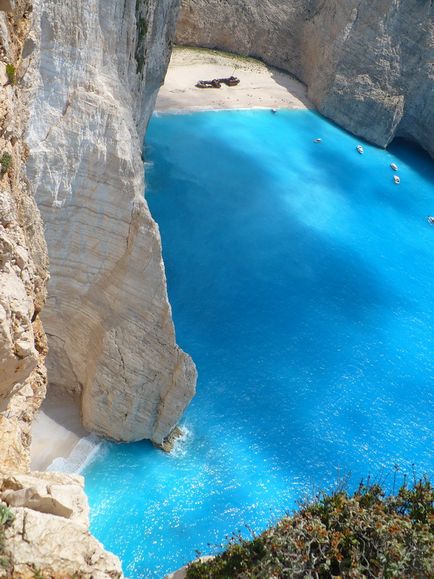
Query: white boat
x,y
317,140
394,166
360,149
396,179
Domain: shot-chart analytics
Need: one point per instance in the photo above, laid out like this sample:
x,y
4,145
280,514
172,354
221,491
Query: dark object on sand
x,y
217,82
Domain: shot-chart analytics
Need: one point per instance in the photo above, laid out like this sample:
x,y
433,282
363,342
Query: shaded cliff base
x,y
261,86
56,430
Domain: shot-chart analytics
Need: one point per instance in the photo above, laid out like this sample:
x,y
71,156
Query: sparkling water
x,y
302,283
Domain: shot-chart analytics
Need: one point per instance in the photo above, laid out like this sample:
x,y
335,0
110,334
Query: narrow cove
x,y
300,278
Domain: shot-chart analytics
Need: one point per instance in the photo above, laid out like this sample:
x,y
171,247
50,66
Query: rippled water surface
x,y
302,283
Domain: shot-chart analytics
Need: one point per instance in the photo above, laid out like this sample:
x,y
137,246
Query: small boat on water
x,y
396,179
317,140
430,219
394,166
360,149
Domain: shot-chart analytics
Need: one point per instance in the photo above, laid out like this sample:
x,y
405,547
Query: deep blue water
x,y
302,283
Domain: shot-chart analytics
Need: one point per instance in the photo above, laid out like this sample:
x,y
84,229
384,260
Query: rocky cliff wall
x,y
23,257
48,534
94,68
368,64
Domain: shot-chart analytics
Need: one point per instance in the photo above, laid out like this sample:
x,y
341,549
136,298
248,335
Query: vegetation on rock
x,y
10,73
5,162
6,517
367,534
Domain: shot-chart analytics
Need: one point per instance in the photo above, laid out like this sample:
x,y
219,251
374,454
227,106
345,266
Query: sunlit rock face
x,y
23,257
95,67
367,63
49,531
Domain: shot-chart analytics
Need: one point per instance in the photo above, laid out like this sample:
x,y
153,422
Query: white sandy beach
x,y
260,86
57,429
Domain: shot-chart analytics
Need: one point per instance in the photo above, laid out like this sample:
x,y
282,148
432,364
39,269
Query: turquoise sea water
x,y
302,283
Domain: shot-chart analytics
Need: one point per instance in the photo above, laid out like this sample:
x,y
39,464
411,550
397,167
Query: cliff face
x,y
49,535
23,261
79,81
368,64
95,67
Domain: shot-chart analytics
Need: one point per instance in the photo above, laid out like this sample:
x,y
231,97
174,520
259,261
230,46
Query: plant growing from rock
x,y
5,162
11,73
6,517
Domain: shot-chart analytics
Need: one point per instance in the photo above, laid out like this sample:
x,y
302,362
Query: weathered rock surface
x,y
23,261
94,69
50,493
368,64
49,532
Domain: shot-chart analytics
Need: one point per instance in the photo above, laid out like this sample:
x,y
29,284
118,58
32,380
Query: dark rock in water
x,y
169,441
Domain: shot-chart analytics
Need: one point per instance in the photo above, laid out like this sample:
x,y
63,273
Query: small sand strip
x,y
261,86
56,430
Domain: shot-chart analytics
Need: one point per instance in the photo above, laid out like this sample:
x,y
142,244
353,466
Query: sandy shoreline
x,y
261,86
57,430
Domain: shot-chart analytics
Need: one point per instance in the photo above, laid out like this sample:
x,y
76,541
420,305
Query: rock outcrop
x,y
49,534
94,70
368,64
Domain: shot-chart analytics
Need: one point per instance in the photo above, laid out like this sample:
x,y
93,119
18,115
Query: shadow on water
x,y
270,272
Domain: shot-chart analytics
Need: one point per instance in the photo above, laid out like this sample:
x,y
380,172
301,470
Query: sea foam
x,y
83,453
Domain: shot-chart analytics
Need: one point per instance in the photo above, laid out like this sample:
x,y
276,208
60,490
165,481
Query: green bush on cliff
x,y
11,73
6,517
362,535
5,162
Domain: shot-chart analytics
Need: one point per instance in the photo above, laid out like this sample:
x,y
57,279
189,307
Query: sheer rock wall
x,y
23,258
95,67
368,64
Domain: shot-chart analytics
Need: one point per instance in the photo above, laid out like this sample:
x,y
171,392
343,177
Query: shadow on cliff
x,y
292,85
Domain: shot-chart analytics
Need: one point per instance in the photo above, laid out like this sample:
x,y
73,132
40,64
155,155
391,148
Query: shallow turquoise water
x,y
302,283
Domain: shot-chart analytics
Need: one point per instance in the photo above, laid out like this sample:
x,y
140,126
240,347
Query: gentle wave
x,y
83,453
181,443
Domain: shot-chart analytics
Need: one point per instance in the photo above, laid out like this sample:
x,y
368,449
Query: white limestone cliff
x,y
368,64
73,110
94,69
23,260
48,535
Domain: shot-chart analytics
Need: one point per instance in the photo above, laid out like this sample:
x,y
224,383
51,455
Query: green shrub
x,y
5,162
6,517
363,535
11,73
